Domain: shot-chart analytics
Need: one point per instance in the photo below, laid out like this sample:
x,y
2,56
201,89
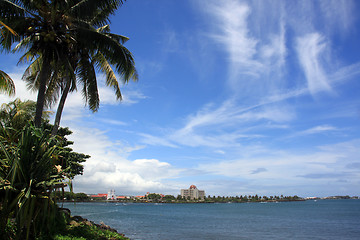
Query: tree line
x,y
158,198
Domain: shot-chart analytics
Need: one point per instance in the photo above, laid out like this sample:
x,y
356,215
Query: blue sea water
x,y
322,219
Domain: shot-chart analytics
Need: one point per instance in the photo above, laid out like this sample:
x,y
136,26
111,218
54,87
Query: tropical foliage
x,y
66,41
6,84
70,161
28,175
17,114
33,164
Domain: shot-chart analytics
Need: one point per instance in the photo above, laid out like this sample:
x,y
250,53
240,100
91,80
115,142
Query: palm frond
x,y
8,28
6,84
94,11
116,54
119,38
87,76
106,68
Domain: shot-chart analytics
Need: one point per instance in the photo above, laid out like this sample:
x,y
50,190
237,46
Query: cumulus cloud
x,y
110,166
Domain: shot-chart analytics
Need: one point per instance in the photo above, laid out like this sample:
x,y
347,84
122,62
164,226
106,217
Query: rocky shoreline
x,y
78,224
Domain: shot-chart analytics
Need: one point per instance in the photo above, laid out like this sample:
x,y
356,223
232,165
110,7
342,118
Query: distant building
x,y
121,197
99,195
111,195
193,193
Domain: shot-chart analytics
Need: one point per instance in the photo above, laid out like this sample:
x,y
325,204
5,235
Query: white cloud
x,y
20,89
310,49
318,129
132,97
113,122
220,152
157,141
225,125
233,33
274,53
286,166
110,167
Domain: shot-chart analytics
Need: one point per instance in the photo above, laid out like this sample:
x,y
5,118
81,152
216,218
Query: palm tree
x,y
17,114
62,38
85,62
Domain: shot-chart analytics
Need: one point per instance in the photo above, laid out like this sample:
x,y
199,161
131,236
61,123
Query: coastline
x,y
80,227
203,202
224,221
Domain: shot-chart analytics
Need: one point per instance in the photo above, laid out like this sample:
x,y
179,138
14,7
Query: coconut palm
x,y
61,37
17,114
85,62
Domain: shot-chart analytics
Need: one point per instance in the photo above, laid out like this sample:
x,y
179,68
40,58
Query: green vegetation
x,y
70,228
65,43
84,231
70,196
28,175
159,198
250,198
34,164
6,84
238,199
77,228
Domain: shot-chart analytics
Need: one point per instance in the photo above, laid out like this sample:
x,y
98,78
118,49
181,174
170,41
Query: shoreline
x,y
199,202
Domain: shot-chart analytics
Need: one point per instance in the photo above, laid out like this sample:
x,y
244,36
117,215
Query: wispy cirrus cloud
x,y
309,49
232,23
225,125
321,129
264,52
328,161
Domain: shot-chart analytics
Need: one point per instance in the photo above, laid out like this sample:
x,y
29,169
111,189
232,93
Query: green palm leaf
x,y
6,84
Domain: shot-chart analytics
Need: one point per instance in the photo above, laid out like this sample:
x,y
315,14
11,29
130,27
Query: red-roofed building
x,y
99,195
193,193
121,197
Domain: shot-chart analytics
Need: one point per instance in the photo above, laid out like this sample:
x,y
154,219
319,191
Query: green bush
x,y
86,230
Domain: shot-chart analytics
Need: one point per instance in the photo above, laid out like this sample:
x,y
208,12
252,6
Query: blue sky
x,y
236,97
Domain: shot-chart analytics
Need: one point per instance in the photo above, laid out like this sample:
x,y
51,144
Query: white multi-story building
x,y
111,195
193,193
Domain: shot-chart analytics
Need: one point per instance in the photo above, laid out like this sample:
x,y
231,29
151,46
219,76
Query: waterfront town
x,y
192,193
189,195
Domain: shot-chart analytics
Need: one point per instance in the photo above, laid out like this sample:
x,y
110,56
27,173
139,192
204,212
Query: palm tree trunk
x,y
44,75
61,107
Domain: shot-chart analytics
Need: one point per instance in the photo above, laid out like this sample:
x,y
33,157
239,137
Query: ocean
x,y
321,219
